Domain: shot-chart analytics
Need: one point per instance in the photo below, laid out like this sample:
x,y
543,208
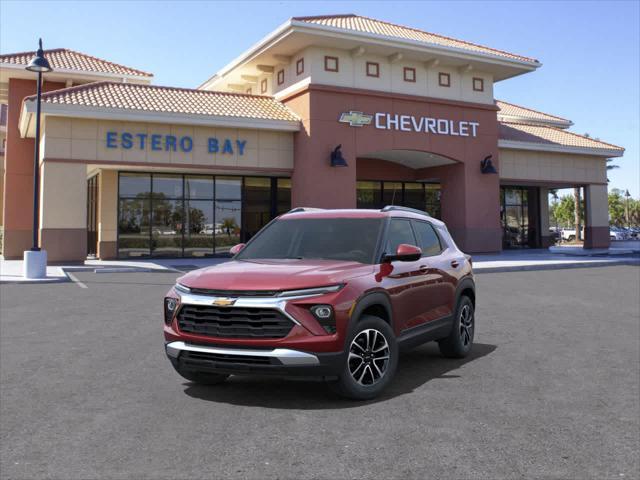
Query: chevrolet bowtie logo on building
x,y
356,119
224,302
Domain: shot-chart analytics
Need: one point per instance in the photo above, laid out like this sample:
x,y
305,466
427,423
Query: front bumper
x,y
250,361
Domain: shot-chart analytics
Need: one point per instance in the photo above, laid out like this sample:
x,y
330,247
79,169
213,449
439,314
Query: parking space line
x,y
75,280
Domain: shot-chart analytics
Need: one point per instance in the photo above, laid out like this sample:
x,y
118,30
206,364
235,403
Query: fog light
x,y
324,316
170,306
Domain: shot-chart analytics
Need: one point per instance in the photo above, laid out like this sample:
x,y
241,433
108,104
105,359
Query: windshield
x,y
348,239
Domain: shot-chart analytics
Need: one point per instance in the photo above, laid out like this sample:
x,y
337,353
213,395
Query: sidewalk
x,y
506,261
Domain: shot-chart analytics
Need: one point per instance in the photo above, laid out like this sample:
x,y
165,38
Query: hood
x,y
273,274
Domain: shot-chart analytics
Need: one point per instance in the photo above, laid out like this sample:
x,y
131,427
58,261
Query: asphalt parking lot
x,y
550,391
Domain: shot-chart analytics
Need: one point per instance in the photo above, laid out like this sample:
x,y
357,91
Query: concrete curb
x,y
555,266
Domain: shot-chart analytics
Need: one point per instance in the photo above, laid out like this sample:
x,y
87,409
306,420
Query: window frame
x,y
327,59
300,66
407,70
280,76
435,231
443,75
377,67
263,85
480,82
385,236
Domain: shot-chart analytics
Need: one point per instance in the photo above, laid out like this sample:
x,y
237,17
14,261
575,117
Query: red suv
x,y
329,293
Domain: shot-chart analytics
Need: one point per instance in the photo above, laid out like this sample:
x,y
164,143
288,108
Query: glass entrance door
x,y
92,216
519,217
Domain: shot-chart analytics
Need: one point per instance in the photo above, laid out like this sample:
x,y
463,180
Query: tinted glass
x,y
348,239
257,205
199,228
167,186
414,196
284,196
133,228
229,188
228,216
399,232
369,194
135,185
428,239
392,193
198,188
167,220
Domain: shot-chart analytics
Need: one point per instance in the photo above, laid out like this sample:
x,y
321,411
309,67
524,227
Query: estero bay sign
x,y
171,143
411,123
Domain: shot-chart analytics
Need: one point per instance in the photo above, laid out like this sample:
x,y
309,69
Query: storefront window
x,y
369,194
392,193
193,215
519,219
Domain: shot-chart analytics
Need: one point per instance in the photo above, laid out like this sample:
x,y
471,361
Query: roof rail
x,y
304,209
390,208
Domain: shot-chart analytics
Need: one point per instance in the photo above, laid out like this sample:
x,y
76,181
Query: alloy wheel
x,y
368,357
466,325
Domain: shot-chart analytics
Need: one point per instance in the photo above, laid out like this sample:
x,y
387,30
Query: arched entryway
x,y
408,178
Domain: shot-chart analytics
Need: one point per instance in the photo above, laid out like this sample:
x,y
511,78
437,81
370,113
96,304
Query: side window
x,y
399,232
427,238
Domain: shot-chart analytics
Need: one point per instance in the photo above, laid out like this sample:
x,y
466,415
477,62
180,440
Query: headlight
x,y
170,307
311,291
324,316
182,288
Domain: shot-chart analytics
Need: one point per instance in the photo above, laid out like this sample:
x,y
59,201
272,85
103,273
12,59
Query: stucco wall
x,y
352,73
551,167
85,140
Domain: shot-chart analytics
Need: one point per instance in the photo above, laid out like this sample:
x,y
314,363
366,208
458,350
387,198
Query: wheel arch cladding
x,y
376,304
466,288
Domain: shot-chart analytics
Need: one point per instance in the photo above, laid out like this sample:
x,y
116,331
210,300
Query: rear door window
x,y
428,239
399,232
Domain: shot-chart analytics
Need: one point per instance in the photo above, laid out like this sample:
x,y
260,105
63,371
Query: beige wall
x,y
63,195
108,206
597,206
552,167
352,73
80,139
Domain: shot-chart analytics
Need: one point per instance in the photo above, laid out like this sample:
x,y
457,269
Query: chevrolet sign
x,y
355,119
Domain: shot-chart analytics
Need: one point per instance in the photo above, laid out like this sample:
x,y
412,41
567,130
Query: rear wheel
x,y
459,342
370,361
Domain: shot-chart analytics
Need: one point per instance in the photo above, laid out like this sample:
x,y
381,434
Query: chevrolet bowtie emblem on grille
x,y
224,302
356,119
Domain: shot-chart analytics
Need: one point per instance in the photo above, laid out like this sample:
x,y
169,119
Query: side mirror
x,y
405,253
236,248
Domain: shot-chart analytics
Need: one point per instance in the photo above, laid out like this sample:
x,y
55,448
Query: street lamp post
x,y
35,260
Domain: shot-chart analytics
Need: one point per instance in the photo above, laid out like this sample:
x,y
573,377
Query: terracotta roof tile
x,y
65,59
513,110
517,132
153,98
379,27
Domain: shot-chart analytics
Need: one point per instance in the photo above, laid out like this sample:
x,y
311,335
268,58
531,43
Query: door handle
x,y
455,263
423,268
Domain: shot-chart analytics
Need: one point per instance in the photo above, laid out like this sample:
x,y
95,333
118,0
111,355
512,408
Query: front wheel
x,y
459,342
370,362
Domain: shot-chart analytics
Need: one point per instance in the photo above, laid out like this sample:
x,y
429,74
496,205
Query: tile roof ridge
x,y
530,59
562,130
142,72
532,110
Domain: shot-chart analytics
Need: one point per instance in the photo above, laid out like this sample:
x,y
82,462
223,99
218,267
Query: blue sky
x,y
589,50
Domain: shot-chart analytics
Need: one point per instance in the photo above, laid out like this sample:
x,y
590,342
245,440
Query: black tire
x,y
367,379
202,378
459,342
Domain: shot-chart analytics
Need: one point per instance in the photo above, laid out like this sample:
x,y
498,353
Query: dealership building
x,y
337,111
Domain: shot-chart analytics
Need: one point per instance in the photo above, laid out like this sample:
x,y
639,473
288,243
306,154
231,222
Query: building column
x,y
107,214
63,211
596,216
546,240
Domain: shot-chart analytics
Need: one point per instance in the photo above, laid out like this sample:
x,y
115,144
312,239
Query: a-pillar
x,y
63,211
596,216
546,240
107,214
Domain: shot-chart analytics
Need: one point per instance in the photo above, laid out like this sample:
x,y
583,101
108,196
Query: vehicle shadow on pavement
x,y
416,368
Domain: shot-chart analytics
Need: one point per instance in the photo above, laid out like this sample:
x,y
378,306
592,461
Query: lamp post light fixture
x,y
35,260
626,208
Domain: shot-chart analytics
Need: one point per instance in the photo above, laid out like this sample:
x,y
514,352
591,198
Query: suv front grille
x,y
233,322
207,359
